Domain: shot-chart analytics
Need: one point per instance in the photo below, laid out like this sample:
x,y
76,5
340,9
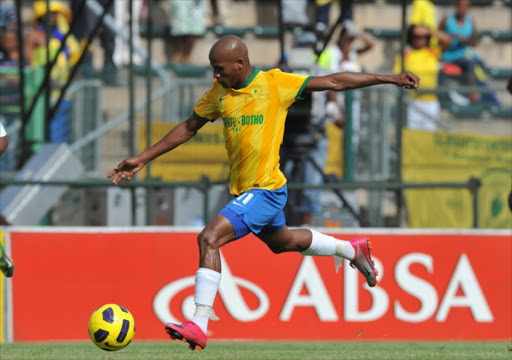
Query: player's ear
x,y
239,64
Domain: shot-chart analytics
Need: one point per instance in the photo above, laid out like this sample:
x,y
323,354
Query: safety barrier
x,y
205,185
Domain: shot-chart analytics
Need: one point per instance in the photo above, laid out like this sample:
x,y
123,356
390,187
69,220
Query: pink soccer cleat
x,y
363,261
188,332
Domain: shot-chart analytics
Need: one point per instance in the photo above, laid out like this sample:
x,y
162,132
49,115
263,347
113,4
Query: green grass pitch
x,y
264,350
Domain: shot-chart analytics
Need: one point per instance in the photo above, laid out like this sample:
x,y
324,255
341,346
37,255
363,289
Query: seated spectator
x,y
462,28
423,59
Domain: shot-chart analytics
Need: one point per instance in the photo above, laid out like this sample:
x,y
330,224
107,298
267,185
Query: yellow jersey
x,y
424,63
254,118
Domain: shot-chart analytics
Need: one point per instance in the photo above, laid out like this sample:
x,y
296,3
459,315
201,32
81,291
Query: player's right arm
x,y
177,136
347,80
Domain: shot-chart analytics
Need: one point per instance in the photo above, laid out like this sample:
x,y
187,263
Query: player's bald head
x,y
229,59
230,47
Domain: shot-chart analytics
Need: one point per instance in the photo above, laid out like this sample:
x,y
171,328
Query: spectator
x,y
35,41
462,28
187,24
35,53
423,12
344,57
9,54
423,109
84,26
122,15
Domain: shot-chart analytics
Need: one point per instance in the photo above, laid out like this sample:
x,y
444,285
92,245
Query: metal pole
x,y
400,121
348,149
475,185
24,118
149,78
131,138
47,117
206,203
281,28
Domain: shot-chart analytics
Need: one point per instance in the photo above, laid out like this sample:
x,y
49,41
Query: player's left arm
x,y
177,136
349,80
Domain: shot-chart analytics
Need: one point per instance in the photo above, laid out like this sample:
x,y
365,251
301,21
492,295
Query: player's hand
x,y
125,170
408,80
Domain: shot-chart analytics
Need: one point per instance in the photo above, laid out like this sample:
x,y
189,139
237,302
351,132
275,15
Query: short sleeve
x,y
207,107
2,131
290,86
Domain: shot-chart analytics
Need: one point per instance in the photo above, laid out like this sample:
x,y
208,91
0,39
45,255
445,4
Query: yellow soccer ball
x,y
111,327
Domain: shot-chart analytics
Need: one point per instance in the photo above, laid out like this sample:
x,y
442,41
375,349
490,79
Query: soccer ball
x,y
111,327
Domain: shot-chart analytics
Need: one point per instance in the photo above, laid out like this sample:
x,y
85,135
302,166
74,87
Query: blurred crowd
x,y
186,24
435,51
51,28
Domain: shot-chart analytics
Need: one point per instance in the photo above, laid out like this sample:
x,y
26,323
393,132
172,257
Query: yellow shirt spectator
x,y
424,63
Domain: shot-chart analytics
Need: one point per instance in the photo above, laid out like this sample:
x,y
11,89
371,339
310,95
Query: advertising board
x,y
433,286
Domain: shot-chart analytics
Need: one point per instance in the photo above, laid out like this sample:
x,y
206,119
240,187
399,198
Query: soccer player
x,y
253,105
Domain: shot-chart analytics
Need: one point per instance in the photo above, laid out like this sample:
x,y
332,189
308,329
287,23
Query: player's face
x,y
226,70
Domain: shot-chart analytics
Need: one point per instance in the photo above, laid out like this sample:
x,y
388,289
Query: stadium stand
x,y
266,31
378,18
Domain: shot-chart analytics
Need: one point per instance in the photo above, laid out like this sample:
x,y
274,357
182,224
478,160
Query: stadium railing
x,y
473,185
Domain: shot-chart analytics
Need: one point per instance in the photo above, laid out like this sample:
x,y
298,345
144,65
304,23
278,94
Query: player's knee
x,y
207,240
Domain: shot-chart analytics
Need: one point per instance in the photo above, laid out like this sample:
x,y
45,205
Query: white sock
x,y
207,283
202,322
345,250
325,245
